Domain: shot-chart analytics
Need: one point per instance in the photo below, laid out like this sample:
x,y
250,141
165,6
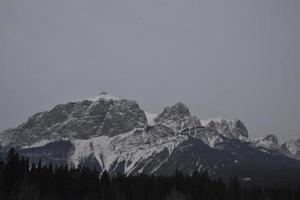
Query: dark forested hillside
x,y
21,180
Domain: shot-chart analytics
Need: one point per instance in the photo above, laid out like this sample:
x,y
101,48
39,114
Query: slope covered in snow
x,y
131,151
292,148
150,118
268,144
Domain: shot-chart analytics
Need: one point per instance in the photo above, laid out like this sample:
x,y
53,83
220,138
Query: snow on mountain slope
x,y
132,148
268,143
292,148
150,118
234,129
208,136
38,144
177,117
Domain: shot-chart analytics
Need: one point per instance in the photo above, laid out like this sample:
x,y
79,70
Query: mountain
x,y
269,144
292,148
117,135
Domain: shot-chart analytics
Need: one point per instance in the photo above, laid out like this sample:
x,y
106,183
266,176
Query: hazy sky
x,y
226,58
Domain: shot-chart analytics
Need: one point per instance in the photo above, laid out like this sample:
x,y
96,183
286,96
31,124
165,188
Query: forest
x,y
22,180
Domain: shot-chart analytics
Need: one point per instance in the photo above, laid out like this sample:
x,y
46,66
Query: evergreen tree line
x,y
20,180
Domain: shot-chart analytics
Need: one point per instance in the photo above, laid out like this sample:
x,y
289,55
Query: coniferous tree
x,y
21,181
234,189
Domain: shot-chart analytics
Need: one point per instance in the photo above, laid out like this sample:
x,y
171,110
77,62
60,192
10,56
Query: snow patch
x,y
150,118
293,146
38,144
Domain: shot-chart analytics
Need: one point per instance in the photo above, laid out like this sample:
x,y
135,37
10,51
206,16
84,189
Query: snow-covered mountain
x,y
292,148
117,135
269,144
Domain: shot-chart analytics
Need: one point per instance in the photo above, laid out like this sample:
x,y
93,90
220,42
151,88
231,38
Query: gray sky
x,y
222,58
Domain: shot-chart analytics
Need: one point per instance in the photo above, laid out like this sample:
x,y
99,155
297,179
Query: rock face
x,y
269,143
292,148
122,117
234,129
80,120
116,135
177,117
272,139
176,112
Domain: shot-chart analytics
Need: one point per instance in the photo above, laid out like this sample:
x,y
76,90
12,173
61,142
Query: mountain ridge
x,y
117,135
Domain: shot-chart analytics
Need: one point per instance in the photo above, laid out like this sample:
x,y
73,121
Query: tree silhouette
x,y
20,180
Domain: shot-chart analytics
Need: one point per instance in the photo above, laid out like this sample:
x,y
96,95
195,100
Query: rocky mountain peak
x,y
234,129
292,148
240,128
269,143
79,120
103,96
177,117
175,112
272,138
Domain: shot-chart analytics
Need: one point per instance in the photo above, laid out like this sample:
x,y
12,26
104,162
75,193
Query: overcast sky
x,y
231,59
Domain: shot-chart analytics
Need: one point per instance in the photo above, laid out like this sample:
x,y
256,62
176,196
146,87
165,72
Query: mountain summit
x,y
103,95
175,112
